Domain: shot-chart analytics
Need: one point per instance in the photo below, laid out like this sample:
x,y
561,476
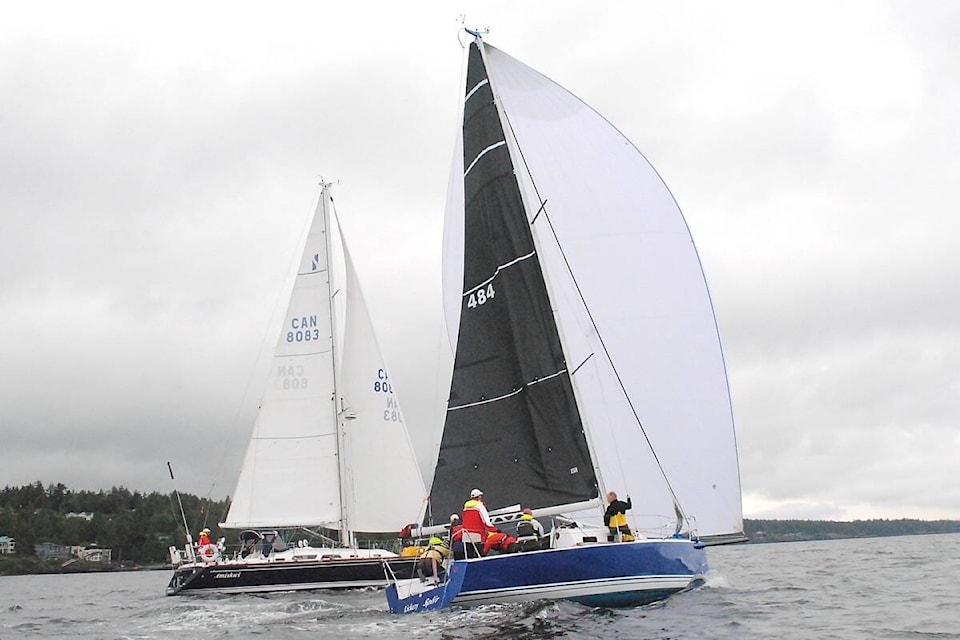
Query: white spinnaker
x,y
384,487
290,474
633,258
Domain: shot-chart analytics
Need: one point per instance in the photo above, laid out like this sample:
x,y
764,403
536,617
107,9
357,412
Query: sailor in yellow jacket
x,y
431,562
615,518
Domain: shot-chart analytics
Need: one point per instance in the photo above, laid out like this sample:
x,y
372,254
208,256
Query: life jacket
x,y
456,535
471,520
436,552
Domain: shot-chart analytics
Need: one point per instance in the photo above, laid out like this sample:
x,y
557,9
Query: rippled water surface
x,y
879,588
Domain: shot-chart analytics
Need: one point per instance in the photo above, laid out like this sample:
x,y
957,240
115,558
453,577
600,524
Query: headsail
x,y
512,423
612,236
378,448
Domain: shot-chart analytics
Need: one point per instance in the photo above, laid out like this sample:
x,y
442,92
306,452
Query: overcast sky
x,y
157,167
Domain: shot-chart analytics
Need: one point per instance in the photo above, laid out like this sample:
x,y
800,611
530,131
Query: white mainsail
x,y
292,474
634,264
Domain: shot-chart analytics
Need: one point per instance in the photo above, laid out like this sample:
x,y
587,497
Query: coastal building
x,y
95,554
91,554
51,550
83,514
7,545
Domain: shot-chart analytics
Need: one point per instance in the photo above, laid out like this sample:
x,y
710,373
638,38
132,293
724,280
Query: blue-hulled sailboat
x,y
587,356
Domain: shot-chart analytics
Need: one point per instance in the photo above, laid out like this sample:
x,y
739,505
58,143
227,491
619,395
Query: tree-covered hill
x,y
793,530
137,526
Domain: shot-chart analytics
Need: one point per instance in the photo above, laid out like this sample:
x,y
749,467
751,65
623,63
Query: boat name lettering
x,y
481,296
227,574
413,606
431,601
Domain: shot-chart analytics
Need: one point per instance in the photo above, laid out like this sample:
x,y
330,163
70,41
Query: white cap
x,y
454,517
476,493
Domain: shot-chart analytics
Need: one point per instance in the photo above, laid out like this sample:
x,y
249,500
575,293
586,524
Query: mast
x,y
346,538
524,196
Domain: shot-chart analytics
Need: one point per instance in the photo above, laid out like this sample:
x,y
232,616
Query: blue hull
x,y
602,575
430,599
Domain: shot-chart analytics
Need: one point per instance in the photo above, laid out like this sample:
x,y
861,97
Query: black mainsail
x,y
512,425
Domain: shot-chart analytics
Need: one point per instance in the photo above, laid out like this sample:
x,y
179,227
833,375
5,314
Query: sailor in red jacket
x,y
475,517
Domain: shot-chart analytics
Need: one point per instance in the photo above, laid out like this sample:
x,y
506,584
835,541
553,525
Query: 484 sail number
x,y
480,296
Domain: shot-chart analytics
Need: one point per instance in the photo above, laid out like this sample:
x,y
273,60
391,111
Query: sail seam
x,y
497,272
310,273
475,89
483,153
313,437
552,375
300,355
487,401
507,395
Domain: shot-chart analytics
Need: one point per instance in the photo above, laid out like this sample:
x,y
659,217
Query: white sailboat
x,y
587,355
328,438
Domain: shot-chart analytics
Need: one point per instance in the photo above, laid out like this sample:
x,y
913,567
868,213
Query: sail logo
x,y
315,263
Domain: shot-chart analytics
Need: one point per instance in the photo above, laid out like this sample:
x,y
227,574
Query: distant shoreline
x,y
765,531
32,565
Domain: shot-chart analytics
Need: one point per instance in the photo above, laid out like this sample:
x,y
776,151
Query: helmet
x,y
435,540
454,517
476,493
205,531
528,511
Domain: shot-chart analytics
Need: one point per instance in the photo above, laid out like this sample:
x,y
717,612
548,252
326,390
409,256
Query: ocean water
x,y
906,587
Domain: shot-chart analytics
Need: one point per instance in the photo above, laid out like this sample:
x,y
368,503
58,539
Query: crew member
x,y
456,537
431,562
529,532
475,516
500,542
615,518
204,537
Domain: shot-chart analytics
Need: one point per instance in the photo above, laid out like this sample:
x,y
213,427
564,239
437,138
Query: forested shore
x,y
139,527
